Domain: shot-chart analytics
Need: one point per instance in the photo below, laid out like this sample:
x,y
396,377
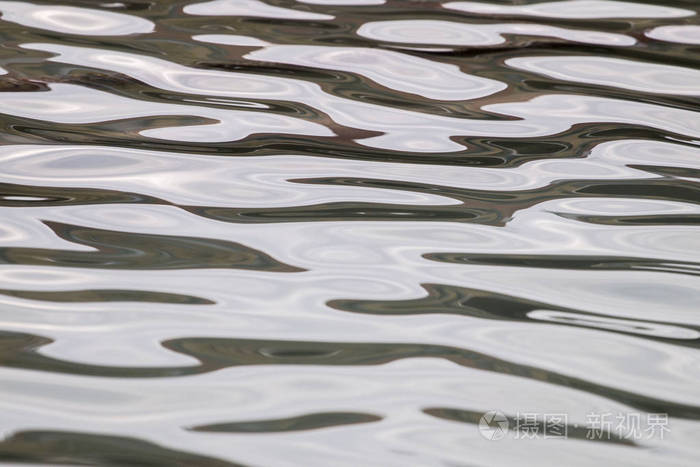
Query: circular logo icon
x,y
493,425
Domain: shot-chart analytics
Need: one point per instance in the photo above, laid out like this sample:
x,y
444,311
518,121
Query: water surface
x,y
338,232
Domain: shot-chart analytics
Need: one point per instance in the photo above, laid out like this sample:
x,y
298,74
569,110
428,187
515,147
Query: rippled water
x,y
337,232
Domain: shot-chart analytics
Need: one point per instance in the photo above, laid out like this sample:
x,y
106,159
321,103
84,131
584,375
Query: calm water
x,y
338,232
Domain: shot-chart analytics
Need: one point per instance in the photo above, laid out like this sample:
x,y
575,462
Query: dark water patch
x,y
127,250
664,189
346,211
11,84
484,304
15,195
19,350
84,448
306,422
660,189
581,262
106,295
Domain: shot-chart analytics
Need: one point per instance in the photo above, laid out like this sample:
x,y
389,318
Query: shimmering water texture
x,y
336,232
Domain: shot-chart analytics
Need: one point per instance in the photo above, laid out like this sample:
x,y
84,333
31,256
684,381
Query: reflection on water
x,y
337,232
